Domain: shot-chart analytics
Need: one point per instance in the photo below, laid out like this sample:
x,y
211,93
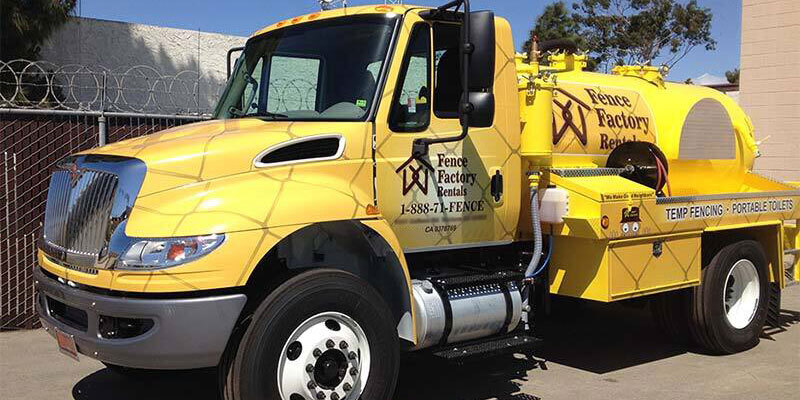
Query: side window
x,y
293,84
447,92
411,110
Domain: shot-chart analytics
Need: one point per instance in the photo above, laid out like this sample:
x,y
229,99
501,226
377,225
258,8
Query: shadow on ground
x,y
588,336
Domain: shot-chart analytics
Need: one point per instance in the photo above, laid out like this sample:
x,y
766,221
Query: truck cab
x,y
391,178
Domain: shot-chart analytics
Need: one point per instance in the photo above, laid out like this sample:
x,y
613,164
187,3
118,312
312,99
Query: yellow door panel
x,y
445,198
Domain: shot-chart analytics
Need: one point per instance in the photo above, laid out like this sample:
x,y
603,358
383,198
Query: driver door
x,y
445,200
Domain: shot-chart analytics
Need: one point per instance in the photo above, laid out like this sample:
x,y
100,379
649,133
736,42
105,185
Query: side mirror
x,y
481,60
482,109
480,40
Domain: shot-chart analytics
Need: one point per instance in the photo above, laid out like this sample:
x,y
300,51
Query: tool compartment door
x,y
648,265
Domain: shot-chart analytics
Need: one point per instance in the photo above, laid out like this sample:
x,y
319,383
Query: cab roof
x,y
340,12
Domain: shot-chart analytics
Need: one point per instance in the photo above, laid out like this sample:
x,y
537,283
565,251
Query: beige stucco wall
x,y
770,82
118,46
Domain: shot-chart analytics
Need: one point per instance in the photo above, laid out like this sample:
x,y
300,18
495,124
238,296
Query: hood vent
x,y
313,148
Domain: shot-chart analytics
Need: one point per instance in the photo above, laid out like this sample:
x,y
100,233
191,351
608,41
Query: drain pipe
x,y
527,291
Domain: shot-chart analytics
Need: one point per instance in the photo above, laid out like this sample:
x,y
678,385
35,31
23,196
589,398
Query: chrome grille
x,y
77,216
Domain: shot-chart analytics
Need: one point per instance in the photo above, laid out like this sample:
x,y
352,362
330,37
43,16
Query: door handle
x,y
497,185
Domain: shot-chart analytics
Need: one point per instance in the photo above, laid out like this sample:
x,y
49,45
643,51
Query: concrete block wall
x,y
121,45
770,82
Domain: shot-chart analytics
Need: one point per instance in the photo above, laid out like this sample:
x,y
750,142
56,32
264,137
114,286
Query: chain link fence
x,y
48,112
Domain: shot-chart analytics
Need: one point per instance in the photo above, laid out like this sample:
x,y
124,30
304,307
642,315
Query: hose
x,y
537,234
546,259
527,290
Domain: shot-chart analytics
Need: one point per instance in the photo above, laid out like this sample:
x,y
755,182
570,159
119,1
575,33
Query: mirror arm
x,y
419,148
230,53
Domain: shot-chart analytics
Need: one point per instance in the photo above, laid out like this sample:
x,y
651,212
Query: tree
x,y
556,22
26,24
733,76
615,32
641,31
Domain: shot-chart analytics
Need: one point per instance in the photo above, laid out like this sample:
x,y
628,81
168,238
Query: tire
x,y
316,309
711,325
671,314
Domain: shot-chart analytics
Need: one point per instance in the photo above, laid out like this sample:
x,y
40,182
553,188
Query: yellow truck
x,y
426,190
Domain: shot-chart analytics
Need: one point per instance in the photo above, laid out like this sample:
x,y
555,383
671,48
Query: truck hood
x,y
205,150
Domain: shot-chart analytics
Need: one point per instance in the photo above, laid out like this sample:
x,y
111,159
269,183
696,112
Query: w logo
x,y
415,175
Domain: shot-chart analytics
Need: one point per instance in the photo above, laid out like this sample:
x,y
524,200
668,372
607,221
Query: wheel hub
x,y
330,369
326,357
741,294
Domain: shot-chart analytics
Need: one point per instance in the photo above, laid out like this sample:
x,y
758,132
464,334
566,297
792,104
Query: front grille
x,y
77,215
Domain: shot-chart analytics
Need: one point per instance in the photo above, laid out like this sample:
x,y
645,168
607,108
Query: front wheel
x,y
324,334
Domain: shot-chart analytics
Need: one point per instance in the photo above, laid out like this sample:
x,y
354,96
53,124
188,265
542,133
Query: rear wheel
x,y
324,334
727,311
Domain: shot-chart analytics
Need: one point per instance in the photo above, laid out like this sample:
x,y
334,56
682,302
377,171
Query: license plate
x,y
66,344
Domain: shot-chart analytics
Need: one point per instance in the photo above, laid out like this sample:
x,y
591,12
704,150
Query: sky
x,y
243,17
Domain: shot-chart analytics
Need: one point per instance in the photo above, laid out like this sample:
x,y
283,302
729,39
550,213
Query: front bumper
x,y
187,333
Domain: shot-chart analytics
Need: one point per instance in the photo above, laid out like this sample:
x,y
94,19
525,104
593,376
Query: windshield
x,y
325,70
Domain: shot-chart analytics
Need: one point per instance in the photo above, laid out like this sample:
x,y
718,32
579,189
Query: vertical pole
x,y
101,132
101,120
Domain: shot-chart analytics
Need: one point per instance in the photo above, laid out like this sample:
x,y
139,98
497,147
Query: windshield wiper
x,y
267,114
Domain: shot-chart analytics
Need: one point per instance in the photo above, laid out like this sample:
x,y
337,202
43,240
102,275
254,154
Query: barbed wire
x,y
139,88
136,89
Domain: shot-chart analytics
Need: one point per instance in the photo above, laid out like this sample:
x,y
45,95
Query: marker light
x,y
148,254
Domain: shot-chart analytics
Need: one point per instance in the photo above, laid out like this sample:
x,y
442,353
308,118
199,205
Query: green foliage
x,y
640,31
615,32
556,22
26,24
733,76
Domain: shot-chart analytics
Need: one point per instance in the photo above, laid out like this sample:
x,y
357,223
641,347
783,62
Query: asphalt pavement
x,y
589,351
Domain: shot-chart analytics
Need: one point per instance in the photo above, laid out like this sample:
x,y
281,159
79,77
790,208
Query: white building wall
x,y
118,46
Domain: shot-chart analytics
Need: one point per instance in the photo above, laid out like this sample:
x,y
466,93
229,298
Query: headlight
x,y
147,254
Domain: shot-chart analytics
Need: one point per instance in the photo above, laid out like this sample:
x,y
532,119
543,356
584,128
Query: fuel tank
x,y
575,118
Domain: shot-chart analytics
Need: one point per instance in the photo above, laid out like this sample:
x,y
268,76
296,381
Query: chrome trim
x,y
726,196
339,151
81,219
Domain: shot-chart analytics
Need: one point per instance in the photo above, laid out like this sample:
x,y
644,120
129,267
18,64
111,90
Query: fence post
x,y
101,120
101,134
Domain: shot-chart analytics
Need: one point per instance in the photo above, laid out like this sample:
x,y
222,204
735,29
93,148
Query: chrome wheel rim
x,y
742,294
326,357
